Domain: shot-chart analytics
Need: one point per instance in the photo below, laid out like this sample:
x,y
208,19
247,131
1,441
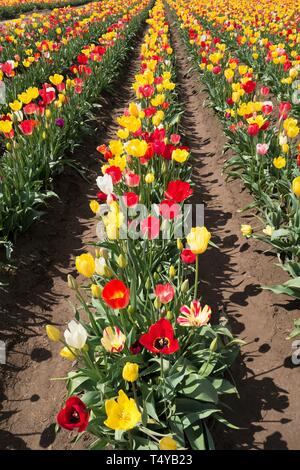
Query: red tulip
x,y
265,90
101,196
149,112
115,294
253,129
249,86
147,91
178,191
187,256
284,109
74,415
115,173
31,108
130,199
160,338
165,293
175,139
132,179
27,126
82,59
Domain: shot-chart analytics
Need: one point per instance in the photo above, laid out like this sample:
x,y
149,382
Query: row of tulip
x,y
45,119
35,47
149,369
249,66
13,8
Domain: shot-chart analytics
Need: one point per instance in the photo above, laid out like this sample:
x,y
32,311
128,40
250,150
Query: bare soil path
x,y
38,293
268,408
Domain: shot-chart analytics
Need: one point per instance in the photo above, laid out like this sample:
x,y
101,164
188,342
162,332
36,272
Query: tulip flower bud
x,y
130,372
156,276
213,345
48,113
246,230
72,283
185,286
122,261
94,206
167,443
179,244
148,283
68,353
157,303
170,315
164,168
97,253
172,272
96,291
149,178
131,309
53,333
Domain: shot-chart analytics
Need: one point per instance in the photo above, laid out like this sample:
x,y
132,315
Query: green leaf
x,y
195,436
199,389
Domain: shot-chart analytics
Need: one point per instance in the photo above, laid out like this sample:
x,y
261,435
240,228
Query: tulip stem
x,y
130,440
135,396
196,277
162,375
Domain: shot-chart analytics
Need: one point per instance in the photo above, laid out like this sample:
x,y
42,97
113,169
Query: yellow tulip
x,y
53,333
56,79
5,126
94,206
180,155
137,148
68,353
16,105
116,147
149,178
198,239
167,443
279,162
85,264
122,413
130,372
96,291
296,186
246,230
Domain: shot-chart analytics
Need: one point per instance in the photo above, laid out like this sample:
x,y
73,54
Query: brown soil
x,y
38,293
231,279
267,381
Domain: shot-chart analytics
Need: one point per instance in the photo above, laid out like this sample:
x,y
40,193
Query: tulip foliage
x,y
150,368
249,63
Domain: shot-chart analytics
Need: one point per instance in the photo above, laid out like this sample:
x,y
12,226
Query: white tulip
x,y
282,139
105,184
75,335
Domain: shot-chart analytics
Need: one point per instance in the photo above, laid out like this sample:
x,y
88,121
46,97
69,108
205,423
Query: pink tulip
x,y
132,179
262,149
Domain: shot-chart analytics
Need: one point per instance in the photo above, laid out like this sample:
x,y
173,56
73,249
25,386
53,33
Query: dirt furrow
x,y
231,279
38,293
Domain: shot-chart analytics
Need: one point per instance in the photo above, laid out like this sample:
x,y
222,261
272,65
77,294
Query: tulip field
x,y
150,225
